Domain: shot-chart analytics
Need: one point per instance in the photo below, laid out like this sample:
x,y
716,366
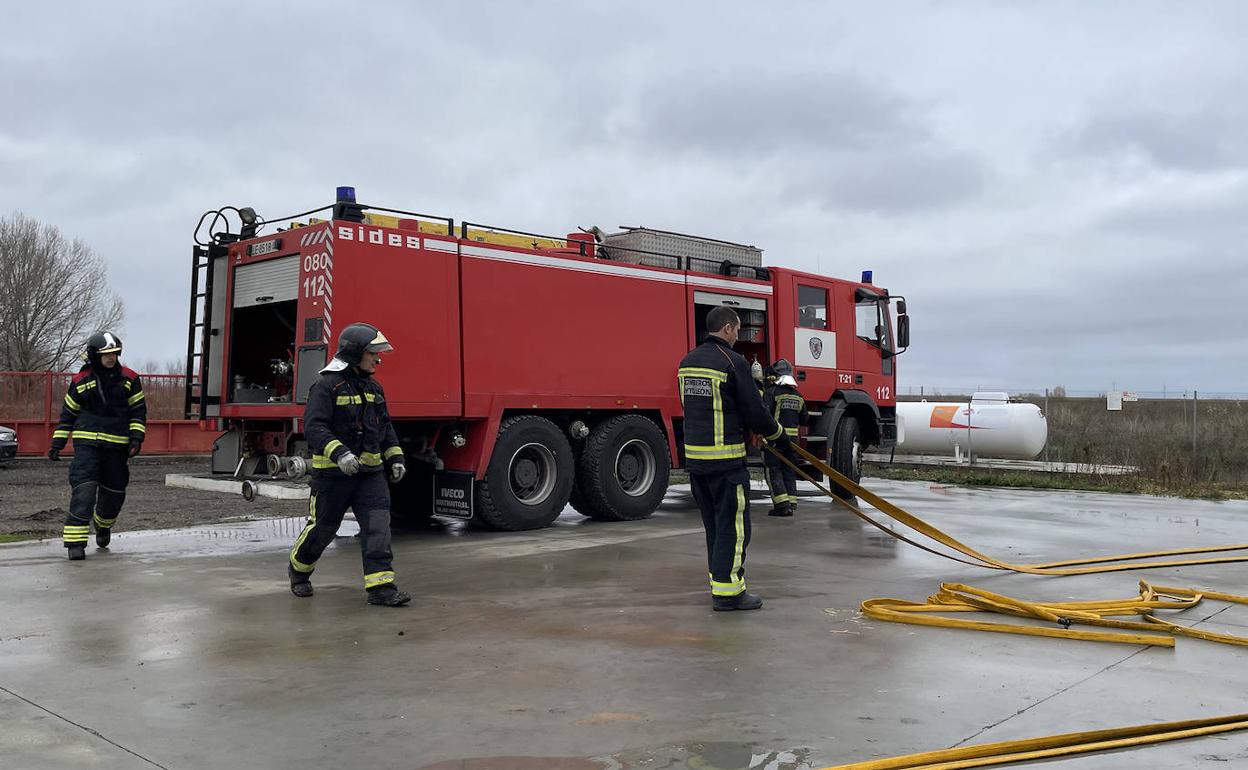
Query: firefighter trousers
x,y
724,499
368,496
781,479
98,476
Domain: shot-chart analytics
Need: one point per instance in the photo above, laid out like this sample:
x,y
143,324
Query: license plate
x,y
452,493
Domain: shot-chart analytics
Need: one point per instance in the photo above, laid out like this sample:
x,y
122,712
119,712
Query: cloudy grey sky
x,y
1060,189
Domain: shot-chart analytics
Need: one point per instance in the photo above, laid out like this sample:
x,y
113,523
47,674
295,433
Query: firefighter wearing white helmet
x,y
105,414
788,407
354,451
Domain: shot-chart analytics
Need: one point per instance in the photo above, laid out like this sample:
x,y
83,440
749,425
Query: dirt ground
x,y
34,494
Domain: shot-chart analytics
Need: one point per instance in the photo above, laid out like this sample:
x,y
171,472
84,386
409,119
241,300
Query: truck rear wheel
x,y
623,470
529,478
845,453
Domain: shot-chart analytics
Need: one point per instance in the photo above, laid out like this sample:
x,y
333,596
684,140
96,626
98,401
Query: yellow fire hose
x,y
1054,745
1070,567
956,598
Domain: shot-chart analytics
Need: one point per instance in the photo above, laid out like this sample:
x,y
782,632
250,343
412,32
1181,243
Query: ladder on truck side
x,y
196,399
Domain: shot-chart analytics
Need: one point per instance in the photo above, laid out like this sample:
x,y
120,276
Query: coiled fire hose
x,y
956,598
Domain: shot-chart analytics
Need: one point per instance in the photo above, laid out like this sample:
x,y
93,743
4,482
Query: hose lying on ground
x,y
1113,563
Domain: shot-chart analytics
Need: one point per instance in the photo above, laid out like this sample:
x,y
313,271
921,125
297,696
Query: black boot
x,y
388,596
781,509
300,582
77,552
103,536
742,601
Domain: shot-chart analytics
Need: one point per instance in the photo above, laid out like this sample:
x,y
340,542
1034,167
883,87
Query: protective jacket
x,y
722,404
105,407
787,406
347,412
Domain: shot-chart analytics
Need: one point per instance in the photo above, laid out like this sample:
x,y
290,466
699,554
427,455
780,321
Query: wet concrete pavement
x,y
593,646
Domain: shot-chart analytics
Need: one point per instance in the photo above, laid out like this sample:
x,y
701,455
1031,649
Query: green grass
x,y
13,538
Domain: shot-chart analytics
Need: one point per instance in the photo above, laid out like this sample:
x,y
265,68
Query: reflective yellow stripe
x,y
321,461
370,398
717,414
738,555
93,436
88,385
330,446
378,579
777,434
72,404
721,452
694,371
391,452
791,431
60,434
103,523
138,426
76,534
370,458
136,398
298,565
344,400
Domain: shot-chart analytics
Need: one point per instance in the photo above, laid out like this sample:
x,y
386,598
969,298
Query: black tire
x,y
529,478
845,454
411,500
623,471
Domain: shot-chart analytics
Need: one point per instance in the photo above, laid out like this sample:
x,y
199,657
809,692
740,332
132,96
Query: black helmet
x,y
357,338
100,343
782,368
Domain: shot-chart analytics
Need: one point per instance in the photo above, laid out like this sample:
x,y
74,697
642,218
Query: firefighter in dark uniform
x,y
354,450
787,406
721,405
106,415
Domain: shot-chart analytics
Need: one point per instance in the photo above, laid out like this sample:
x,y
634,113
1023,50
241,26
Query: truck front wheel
x,y
845,453
623,471
529,477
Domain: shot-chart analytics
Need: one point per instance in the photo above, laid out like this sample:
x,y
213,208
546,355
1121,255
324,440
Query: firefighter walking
x,y
354,451
787,406
721,404
105,413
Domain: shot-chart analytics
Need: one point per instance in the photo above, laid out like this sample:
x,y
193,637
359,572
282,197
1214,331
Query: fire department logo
x,y
816,347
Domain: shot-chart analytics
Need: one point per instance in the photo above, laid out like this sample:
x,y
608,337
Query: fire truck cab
x,y
529,371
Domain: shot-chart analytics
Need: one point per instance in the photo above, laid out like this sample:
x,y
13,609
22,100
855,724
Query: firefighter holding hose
x,y
354,451
721,404
786,405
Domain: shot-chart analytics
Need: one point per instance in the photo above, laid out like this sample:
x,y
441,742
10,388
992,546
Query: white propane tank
x,y
989,426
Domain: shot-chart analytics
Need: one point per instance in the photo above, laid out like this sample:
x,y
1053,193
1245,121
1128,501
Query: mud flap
x,y
452,493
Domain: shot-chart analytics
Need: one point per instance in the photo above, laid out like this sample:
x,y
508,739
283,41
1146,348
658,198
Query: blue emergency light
x,y
346,195
866,274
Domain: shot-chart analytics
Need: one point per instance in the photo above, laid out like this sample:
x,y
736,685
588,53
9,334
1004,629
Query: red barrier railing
x,y
30,402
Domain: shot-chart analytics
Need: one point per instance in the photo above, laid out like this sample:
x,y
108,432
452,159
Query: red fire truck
x,y
529,371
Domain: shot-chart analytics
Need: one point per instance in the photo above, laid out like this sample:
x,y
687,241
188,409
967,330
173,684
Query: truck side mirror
x,y
903,331
901,307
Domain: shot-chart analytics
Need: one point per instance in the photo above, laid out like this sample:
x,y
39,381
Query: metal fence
x,y
31,403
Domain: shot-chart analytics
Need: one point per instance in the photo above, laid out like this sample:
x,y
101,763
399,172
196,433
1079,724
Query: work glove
x,y
397,471
349,463
135,446
781,442
54,454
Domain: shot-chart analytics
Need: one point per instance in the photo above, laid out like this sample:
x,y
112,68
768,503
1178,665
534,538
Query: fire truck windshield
x,y
873,323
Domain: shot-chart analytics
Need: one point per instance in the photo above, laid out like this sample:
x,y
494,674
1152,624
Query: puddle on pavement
x,y
692,756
